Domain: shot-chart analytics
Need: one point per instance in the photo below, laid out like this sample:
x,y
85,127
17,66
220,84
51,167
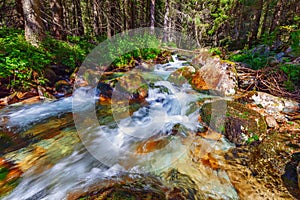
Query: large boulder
x,y
216,75
238,123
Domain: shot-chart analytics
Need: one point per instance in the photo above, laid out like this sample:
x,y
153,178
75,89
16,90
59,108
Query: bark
x,y
95,17
152,14
257,17
34,29
263,19
125,15
132,17
108,23
277,15
166,22
57,15
80,27
20,11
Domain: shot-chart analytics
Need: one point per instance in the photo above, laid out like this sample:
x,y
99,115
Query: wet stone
x,y
238,123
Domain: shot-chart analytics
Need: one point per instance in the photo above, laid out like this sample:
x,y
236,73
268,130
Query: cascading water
x,y
121,148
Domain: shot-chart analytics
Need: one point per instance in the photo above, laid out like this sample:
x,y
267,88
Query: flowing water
x,y
158,140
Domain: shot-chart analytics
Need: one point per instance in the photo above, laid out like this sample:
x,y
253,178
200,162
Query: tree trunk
x,y
34,30
166,22
125,15
256,21
19,8
108,24
132,6
79,17
95,17
263,19
57,14
277,15
152,14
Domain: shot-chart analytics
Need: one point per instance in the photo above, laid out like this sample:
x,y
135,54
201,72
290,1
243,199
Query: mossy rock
x,y
182,75
238,123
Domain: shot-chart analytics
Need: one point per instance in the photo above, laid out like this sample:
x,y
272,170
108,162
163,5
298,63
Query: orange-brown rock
x,y
198,82
211,134
9,173
210,161
151,145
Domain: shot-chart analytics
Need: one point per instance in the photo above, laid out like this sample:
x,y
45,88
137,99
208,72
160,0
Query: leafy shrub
x,y
22,64
125,49
65,53
20,61
253,60
293,73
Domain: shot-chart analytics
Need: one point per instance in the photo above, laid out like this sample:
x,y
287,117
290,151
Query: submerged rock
x,y
9,175
238,123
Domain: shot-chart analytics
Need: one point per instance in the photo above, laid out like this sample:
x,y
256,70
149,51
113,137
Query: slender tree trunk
x,y
95,17
152,14
132,17
19,8
256,21
79,17
263,19
108,24
73,16
166,22
57,14
277,16
124,15
34,30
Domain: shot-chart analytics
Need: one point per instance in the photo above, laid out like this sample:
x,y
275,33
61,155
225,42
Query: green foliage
x,y
65,53
253,60
252,139
20,60
293,73
295,41
127,48
23,64
215,51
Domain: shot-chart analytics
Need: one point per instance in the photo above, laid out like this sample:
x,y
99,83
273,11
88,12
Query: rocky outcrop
x,y
275,109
